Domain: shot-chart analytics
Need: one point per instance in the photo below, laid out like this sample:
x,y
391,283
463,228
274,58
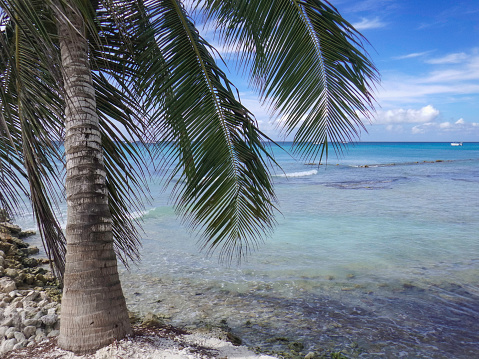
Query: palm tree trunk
x,y
94,310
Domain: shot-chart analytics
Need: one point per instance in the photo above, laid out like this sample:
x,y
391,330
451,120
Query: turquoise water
x,y
375,254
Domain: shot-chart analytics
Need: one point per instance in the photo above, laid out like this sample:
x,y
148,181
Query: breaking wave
x,y
299,174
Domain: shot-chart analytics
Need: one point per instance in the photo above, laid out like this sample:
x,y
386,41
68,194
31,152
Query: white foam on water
x,y
139,214
299,174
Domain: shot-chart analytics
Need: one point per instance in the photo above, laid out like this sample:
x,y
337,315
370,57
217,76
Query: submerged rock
x,y
151,321
296,346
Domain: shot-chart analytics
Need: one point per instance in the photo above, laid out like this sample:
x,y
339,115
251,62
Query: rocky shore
x,y
29,293
30,315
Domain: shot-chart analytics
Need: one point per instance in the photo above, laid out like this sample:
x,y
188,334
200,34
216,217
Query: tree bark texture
x,y
94,312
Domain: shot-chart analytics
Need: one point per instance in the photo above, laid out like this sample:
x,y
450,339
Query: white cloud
x,y
447,127
412,55
466,71
450,59
369,24
370,5
400,116
417,130
459,79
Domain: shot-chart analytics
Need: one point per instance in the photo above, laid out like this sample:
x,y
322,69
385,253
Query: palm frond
x,y
214,145
31,109
156,81
307,63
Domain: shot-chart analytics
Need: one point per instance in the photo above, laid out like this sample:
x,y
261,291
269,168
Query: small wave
x,y
139,214
299,174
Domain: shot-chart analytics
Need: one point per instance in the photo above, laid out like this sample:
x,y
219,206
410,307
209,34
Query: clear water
x,y
375,254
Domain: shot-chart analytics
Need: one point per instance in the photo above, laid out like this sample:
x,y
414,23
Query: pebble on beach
x,y
28,313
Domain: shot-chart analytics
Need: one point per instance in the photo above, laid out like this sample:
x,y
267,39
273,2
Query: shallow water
x,y
375,254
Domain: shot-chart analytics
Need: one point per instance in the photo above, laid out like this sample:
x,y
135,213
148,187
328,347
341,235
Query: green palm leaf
x,y
156,81
215,148
31,110
306,61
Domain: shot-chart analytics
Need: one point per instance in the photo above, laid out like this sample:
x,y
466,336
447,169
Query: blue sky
x,y
427,52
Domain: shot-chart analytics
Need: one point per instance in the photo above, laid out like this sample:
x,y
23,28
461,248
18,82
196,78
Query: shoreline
x,y
30,313
397,320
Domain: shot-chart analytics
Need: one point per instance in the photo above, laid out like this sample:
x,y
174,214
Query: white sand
x,y
151,345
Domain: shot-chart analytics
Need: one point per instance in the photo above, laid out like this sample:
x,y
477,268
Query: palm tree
x,y
97,75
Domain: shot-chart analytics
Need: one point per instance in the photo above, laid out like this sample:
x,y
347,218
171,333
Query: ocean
x,y
375,254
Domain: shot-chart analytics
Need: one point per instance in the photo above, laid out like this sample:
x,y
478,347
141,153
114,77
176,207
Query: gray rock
x,y
9,311
3,330
30,304
49,319
29,278
31,250
8,345
13,320
38,315
43,303
18,346
26,233
18,298
4,217
10,333
52,311
30,331
4,246
15,293
7,285
13,228
53,333
32,313
10,272
7,322
31,322
29,262
19,336
50,306
39,337
31,296
16,303
20,277
310,355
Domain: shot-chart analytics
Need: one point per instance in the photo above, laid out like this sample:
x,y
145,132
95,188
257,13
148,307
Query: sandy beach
x,y
151,343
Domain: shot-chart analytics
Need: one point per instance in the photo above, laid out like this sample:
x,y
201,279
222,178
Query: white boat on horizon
x,y
456,143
